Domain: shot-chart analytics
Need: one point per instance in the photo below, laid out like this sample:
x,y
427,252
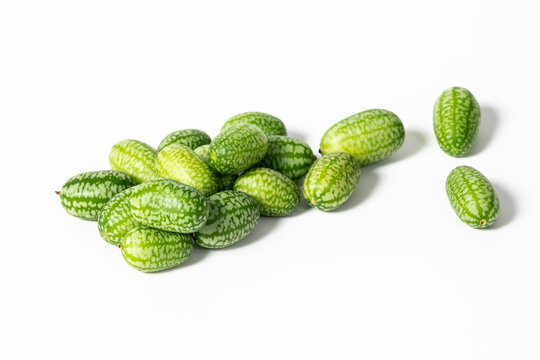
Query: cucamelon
x,y
269,124
289,156
134,158
116,220
192,138
225,182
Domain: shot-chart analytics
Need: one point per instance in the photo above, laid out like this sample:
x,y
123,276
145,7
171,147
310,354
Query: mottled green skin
x,y
134,158
169,205
237,148
116,220
180,163
149,250
84,195
289,156
269,124
225,182
456,119
233,215
472,197
369,136
192,138
331,181
275,194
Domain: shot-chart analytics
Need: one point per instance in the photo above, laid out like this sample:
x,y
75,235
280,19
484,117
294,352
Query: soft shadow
x,y
366,185
488,127
508,207
296,134
414,142
262,229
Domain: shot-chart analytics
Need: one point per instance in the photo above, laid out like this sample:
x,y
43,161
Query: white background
x,y
393,274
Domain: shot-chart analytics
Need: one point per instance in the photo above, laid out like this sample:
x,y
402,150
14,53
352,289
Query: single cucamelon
x,y
116,220
84,195
289,156
369,136
225,182
472,197
192,138
331,181
275,194
269,124
232,216
148,250
456,119
169,205
134,158
237,148
180,163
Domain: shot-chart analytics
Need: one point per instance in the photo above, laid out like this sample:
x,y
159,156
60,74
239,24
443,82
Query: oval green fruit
x,y
275,194
289,156
233,215
237,148
180,163
148,250
116,220
269,124
192,138
84,195
225,182
169,205
456,119
472,197
331,181
134,158
369,136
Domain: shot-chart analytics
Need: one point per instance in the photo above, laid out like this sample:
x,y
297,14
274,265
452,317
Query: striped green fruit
x,y
225,182
180,163
331,181
456,119
269,124
84,195
232,216
369,136
275,194
116,220
134,158
289,156
169,205
192,138
148,250
237,148
472,197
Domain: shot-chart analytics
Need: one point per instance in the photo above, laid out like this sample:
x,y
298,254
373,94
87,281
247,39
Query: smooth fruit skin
x,y
225,182
237,148
289,156
84,195
192,138
472,197
269,124
169,205
149,250
369,136
275,194
116,220
180,163
456,119
233,215
134,158
331,181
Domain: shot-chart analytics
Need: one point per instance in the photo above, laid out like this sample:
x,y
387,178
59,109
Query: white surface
x,y
392,275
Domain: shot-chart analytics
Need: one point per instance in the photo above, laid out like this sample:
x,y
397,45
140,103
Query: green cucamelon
x,y
269,124
116,220
237,148
275,194
225,182
456,119
84,195
289,156
369,136
192,138
148,250
169,205
472,197
180,163
331,181
232,216
134,158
